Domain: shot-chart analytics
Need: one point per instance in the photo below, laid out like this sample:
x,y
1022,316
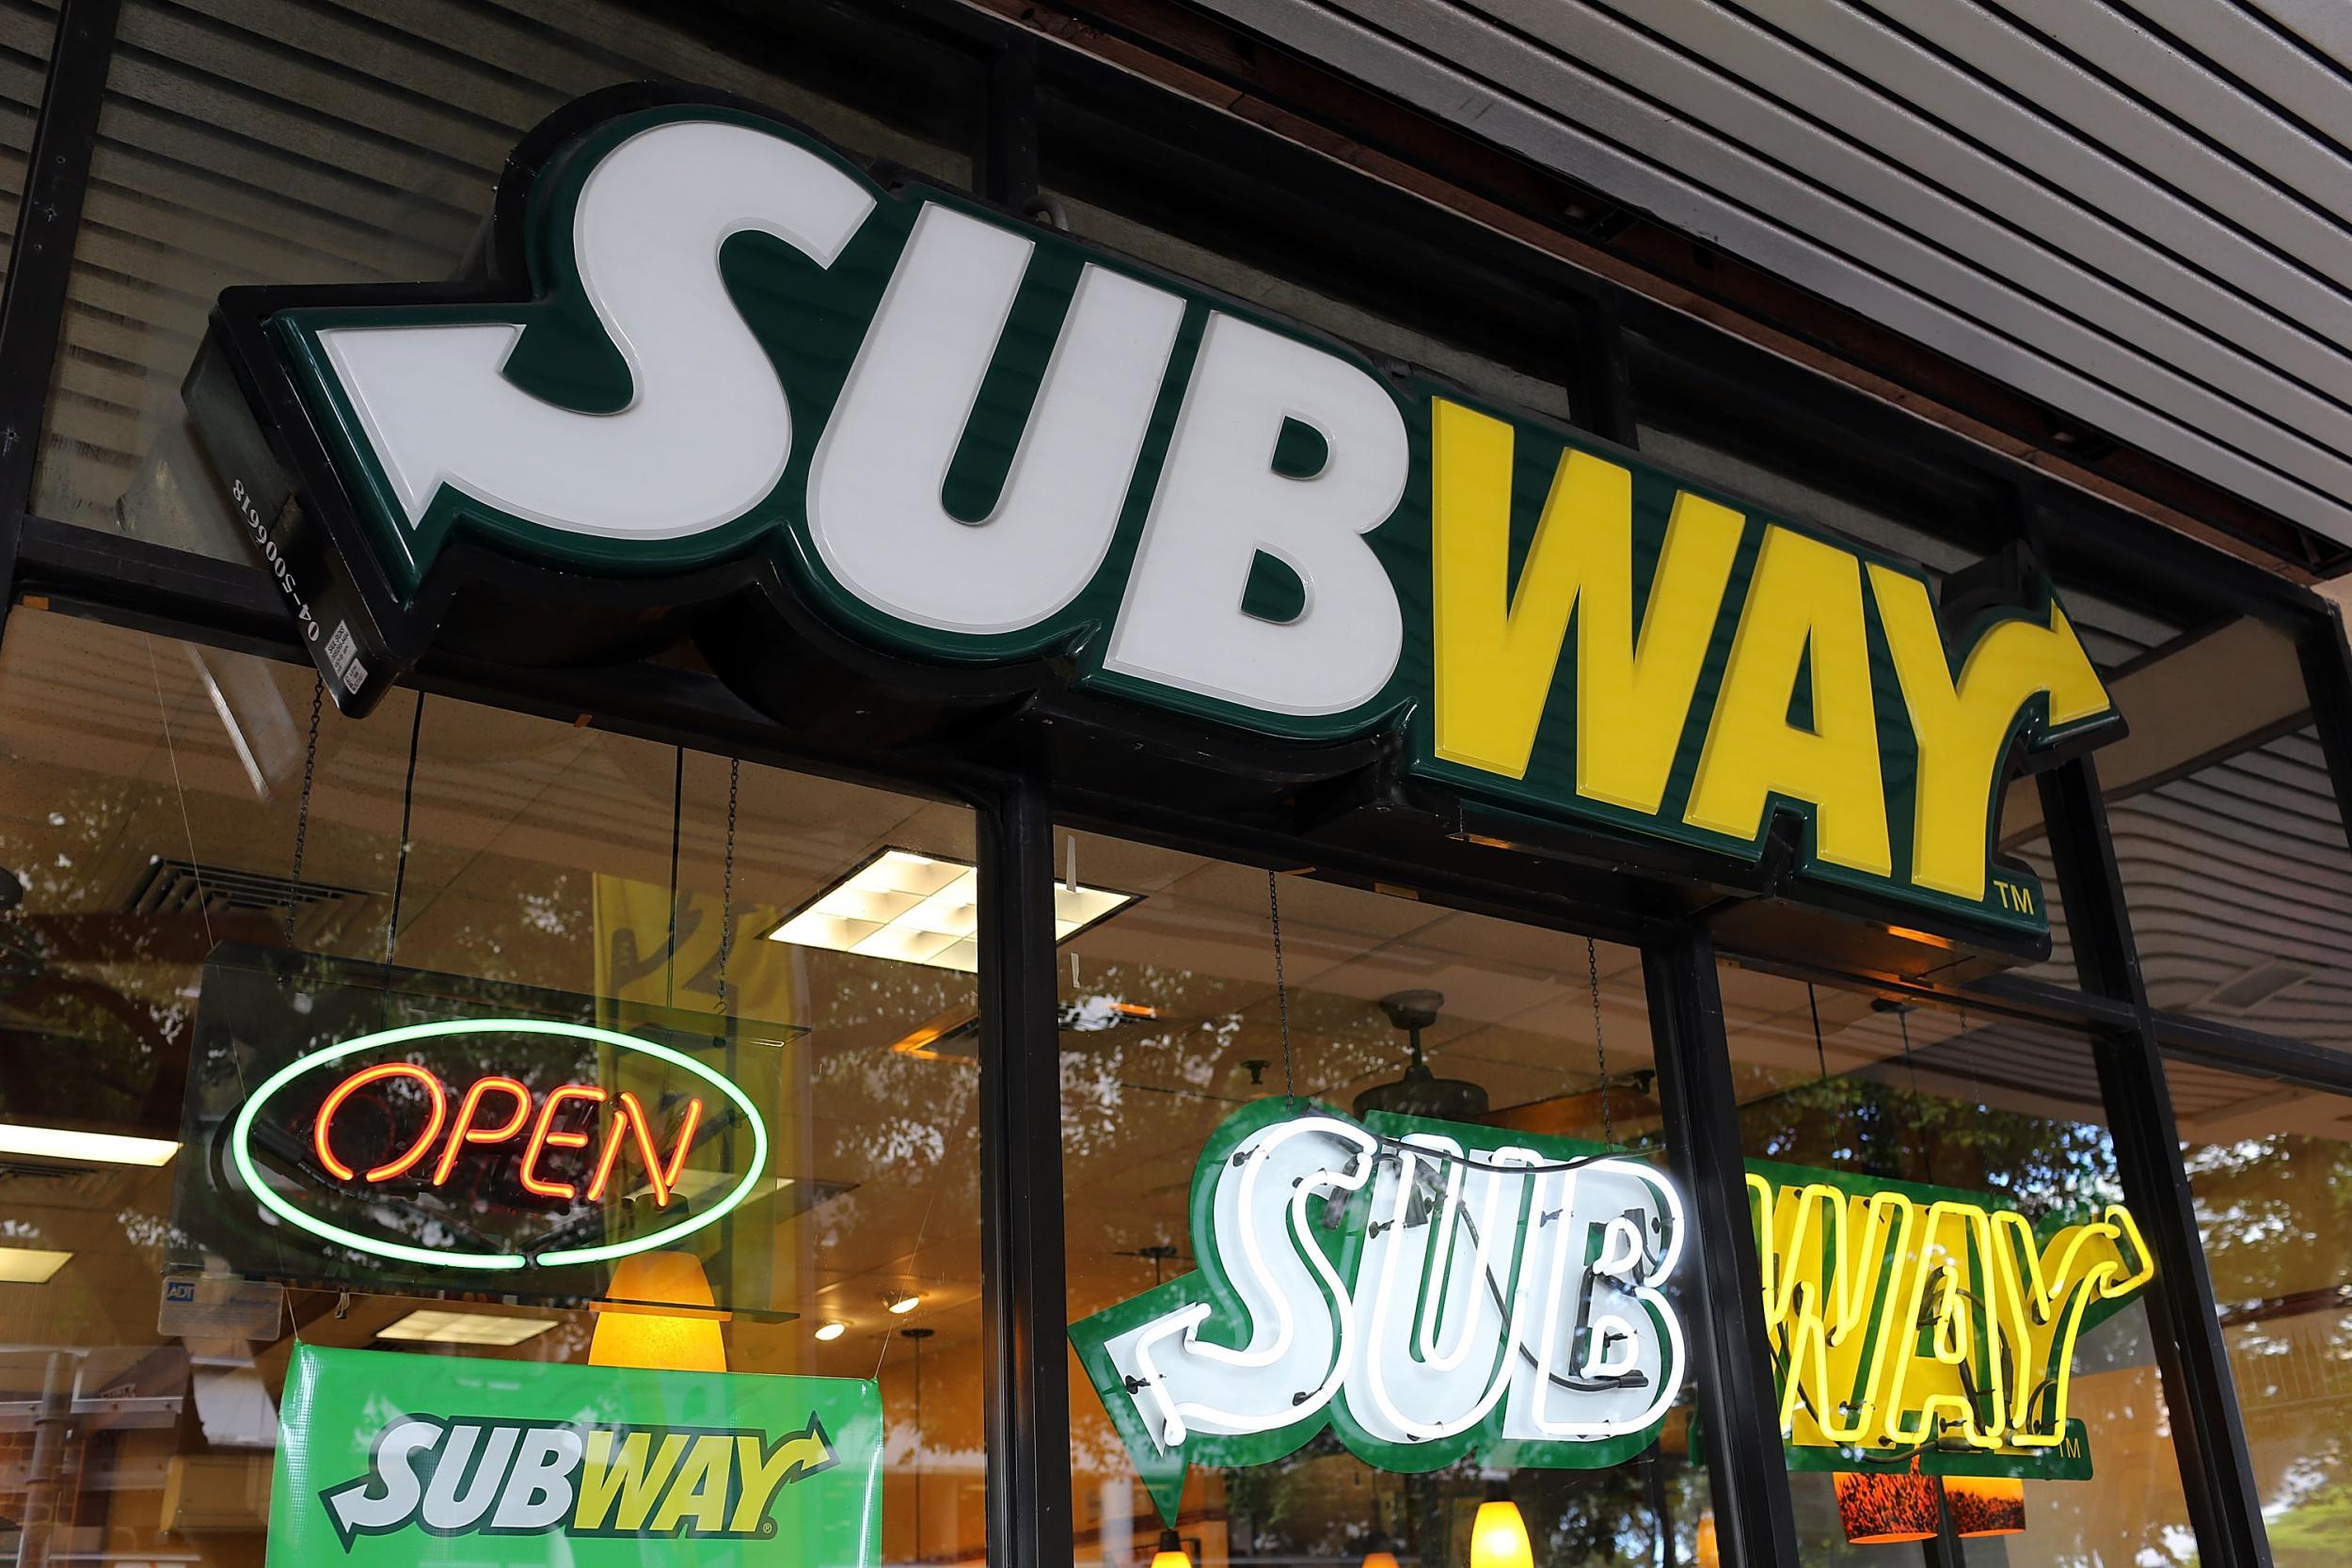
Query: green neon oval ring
x,y
241,1140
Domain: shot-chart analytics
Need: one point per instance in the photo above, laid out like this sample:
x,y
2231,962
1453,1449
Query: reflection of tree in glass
x,y
2053,1171
2275,1215
2042,1168
1321,1505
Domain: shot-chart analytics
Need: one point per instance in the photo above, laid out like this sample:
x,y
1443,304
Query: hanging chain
x,y
1926,1135
726,882
302,809
408,804
677,822
1820,1055
1821,1052
1281,989
1600,1047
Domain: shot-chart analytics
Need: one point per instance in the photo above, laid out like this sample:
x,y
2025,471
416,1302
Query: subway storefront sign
x,y
720,380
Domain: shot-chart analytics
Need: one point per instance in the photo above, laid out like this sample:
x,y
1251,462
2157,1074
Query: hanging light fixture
x,y
1498,1535
1421,1092
1985,1505
1377,1552
632,1334
1877,1507
1171,1552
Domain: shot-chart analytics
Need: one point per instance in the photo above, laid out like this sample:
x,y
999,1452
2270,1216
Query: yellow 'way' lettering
x,y
699,1493
1497,646
1801,645
1962,724
1899,1323
1806,599
633,1477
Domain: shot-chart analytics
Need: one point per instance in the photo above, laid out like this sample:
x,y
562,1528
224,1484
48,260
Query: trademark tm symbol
x,y
2013,896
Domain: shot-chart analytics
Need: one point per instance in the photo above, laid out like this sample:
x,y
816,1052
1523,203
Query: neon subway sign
x,y
549,1139
1429,1292
1433,1293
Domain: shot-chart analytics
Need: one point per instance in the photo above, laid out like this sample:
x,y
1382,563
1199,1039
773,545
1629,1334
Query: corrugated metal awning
x,y
2138,212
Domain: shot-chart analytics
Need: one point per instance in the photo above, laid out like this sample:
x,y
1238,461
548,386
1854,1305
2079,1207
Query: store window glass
x,y
2268,1164
245,142
1177,1037
1845,1094
178,924
2229,841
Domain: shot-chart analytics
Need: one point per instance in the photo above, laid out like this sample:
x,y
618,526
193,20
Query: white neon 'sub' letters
x,y
1293,1350
707,430
1493,1285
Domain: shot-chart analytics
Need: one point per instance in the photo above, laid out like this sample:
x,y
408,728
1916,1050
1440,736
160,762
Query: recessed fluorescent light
x,y
63,1142
431,1326
31,1265
924,910
830,1330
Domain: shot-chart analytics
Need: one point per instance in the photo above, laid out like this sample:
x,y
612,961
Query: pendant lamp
x,y
671,1337
1170,1553
1985,1505
1421,1092
1498,1535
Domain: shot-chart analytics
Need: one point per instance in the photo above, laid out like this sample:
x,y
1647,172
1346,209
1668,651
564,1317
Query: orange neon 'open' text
x,y
479,1124
360,1079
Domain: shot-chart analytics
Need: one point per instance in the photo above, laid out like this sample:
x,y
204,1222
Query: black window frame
x,y
51,565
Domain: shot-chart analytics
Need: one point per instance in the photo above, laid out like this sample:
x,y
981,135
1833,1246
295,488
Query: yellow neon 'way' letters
x,y
1898,1323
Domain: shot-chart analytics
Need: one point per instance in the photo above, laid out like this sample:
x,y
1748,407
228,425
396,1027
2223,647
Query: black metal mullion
x,y
1006,170
2208,1432
2327,682
40,263
1026,1383
1023,1306
1747,1473
2210,1042
1600,387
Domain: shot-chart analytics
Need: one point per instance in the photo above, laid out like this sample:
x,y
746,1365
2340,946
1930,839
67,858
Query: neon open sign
x,y
567,1145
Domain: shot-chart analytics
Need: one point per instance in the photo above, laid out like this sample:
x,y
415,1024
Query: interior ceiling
x,y
2133,211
